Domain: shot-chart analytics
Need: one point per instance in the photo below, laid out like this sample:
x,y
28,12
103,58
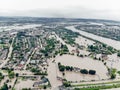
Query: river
x,y
113,43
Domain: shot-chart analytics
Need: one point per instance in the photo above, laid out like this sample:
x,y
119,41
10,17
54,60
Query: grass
x,y
99,87
96,84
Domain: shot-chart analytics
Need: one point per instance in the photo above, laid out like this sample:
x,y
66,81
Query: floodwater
x,y
113,61
52,76
83,63
17,27
115,44
83,41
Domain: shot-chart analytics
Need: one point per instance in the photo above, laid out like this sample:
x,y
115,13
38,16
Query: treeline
x,y
85,71
62,68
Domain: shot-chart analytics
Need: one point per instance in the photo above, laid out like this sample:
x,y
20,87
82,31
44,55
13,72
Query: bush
x,y
66,84
113,76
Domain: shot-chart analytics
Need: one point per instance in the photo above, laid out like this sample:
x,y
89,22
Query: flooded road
x,y
52,76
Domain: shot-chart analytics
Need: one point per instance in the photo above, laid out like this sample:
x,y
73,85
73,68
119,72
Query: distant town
x,y
59,54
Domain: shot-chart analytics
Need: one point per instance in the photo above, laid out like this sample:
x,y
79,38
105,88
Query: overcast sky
x,y
101,9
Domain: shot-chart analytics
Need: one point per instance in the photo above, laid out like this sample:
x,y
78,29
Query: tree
x,y
17,74
4,87
113,73
105,63
84,71
1,76
118,54
62,68
44,87
113,76
63,74
66,84
92,72
71,68
11,74
67,68
59,63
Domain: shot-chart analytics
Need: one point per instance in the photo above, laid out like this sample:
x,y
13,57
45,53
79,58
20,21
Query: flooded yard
x,y
113,61
24,84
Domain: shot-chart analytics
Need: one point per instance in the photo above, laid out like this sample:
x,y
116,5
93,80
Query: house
x,y
104,57
44,81
34,61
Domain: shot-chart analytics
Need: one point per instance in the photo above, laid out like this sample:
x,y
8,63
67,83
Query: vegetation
x,y
62,68
84,71
26,89
67,35
1,76
38,72
95,87
64,49
118,54
118,72
11,74
112,73
92,72
66,84
4,87
100,48
109,32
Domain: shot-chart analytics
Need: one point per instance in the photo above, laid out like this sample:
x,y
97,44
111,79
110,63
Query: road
x,y
29,58
9,54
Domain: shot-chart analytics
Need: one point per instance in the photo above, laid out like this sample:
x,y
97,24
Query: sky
x,y
96,9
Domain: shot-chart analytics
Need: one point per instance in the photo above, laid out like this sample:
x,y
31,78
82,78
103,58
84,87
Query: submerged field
x,y
83,63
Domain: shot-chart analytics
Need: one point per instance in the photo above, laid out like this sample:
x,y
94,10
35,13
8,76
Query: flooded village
x,y
58,55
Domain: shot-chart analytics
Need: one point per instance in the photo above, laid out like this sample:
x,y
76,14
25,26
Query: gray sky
x,y
102,9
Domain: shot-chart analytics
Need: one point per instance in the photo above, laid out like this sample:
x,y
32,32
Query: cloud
x,y
102,9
